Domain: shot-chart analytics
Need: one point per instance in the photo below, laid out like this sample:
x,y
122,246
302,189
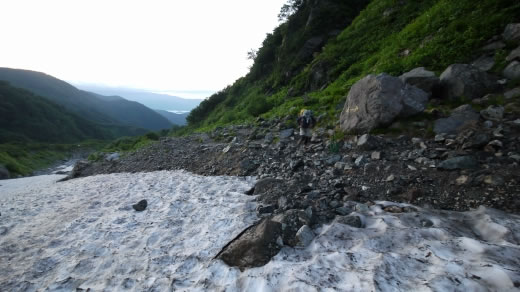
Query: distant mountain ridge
x,y
156,101
115,111
27,117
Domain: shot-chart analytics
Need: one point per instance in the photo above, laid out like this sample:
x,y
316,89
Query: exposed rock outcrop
x,y
375,101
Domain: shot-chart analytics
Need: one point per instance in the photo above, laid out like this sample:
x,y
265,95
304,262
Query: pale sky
x,y
176,46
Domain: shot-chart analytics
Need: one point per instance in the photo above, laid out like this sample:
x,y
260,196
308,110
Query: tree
x,y
289,9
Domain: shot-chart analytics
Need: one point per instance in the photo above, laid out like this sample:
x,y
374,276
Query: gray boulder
x,y
254,247
284,134
78,169
512,71
292,220
352,220
512,32
369,142
493,113
4,172
376,101
514,55
466,80
421,78
461,118
460,162
484,63
305,235
112,156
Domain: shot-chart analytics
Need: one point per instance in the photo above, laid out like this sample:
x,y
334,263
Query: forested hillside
x,y
322,48
119,112
26,117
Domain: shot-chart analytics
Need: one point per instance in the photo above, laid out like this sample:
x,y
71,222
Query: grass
x,y
24,158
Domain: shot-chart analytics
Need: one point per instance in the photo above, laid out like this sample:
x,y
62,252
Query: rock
x,y
512,32
494,180
284,134
353,221
254,247
4,172
267,185
393,209
477,141
494,46
390,178
266,209
421,78
484,63
461,180
112,157
514,55
460,118
304,236
512,93
493,113
343,210
140,206
309,47
296,164
496,144
369,142
226,149
440,137
512,71
460,162
376,101
360,160
466,80
78,169
247,165
333,159
376,155
269,137
291,221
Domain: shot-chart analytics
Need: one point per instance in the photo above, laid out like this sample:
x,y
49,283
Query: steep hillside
x,y
119,112
27,117
311,60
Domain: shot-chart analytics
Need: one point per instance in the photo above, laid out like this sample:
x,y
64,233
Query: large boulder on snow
x,y
461,118
512,32
254,247
466,80
512,71
421,78
376,101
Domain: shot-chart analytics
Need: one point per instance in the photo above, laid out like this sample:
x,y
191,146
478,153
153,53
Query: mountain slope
x,y
27,117
150,99
305,62
176,119
119,112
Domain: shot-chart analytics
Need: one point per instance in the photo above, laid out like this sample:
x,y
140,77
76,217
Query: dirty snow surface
x,y
83,233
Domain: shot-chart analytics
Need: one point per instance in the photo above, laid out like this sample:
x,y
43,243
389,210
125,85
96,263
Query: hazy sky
x,y
176,45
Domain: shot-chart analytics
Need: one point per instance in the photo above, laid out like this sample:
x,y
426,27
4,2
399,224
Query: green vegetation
x,y
24,158
293,69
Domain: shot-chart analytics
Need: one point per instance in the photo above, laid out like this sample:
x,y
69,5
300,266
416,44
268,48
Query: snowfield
x,y
84,234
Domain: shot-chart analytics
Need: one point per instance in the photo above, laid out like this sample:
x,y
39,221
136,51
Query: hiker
x,y
306,122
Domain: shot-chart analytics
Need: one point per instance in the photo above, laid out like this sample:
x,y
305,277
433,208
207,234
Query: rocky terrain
x,y
447,142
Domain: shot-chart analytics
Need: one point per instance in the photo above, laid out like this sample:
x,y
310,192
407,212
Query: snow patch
x,y
83,233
